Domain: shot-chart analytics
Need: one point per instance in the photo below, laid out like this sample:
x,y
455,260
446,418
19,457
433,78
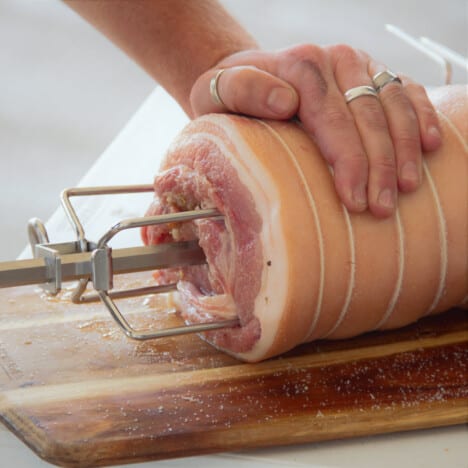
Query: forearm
x,y
175,41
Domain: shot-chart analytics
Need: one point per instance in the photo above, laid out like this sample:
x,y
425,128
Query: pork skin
x,y
288,259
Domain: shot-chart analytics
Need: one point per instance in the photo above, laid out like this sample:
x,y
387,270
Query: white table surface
x,y
133,157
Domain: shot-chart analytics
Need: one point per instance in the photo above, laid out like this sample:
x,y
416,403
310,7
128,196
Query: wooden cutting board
x,y
79,393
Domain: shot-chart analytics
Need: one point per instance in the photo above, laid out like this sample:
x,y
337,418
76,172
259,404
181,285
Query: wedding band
x,y
214,88
359,91
383,78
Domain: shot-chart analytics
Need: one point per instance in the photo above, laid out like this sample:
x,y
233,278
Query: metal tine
x,y
140,222
127,293
158,219
77,294
168,332
425,49
88,191
37,233
107,296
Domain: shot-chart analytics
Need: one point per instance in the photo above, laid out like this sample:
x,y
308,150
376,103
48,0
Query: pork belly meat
x,y
287,259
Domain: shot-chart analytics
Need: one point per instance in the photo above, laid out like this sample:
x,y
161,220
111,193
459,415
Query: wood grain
x,y
79,393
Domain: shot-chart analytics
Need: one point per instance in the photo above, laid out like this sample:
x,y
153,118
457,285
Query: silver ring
x,y
383,78
214,88
359,91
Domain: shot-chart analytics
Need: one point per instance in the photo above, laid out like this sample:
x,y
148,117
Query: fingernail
x,y
410,172
360,197
281,100
386,198
434,132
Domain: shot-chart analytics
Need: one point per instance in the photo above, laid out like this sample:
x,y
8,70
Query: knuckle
x,y
374,118
335,117
237,97
408,142
416,89
385,163
240,103
342,49
355,162
393,94
363,54
306,64
233,97
347,54
240,89
408,123
306,51
310,56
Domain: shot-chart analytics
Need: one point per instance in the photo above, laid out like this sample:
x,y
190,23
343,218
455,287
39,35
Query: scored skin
x,y
337,261
371,260
418,257
289,328
332,218
450,172
448,169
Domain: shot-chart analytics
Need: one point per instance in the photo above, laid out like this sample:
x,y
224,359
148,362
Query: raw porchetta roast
x,y
288,259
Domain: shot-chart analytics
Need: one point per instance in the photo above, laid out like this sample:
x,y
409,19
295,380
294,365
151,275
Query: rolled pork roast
x,y
288,260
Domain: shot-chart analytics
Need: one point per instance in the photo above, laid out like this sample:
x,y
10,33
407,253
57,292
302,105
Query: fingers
x,y
374,144
352,137
244,90
371,123
412,123
326,116
429,126
404,130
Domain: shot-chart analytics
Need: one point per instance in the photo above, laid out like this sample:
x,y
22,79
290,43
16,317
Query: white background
x,y
65,91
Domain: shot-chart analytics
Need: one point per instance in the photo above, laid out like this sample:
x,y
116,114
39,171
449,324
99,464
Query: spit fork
x,y
97,262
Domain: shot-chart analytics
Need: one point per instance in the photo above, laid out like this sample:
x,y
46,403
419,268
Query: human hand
x,y
374,144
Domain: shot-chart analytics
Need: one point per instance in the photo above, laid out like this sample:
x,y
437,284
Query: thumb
x,y
244,90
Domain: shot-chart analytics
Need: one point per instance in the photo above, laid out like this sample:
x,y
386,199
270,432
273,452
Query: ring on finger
x,y
359,91
383,78
214,88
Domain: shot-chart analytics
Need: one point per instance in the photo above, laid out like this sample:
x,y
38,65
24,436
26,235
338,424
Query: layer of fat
x,y
271,298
